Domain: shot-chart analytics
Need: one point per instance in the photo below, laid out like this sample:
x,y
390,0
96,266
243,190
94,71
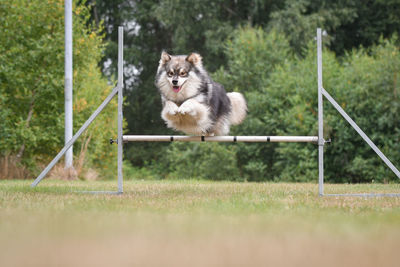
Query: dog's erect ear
x,y
165,57
194,58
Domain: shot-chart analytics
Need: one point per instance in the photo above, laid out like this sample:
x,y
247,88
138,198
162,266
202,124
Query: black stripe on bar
x,y
268,139
202,138
172,138
234,139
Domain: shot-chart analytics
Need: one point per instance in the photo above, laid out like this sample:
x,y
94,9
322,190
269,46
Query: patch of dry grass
x,y
195,223
10,167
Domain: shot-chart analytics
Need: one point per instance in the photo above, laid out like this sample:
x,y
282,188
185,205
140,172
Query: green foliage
x,y
298,20
369,92
137,173
280,88
32,83
202,160
349,24
366,87
251,55
241,59
259,48
28,51
284,102
179,27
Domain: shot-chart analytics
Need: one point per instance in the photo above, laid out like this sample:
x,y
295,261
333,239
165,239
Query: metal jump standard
x,y
319,140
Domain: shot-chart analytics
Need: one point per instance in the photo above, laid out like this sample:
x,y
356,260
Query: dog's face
x,y
176,74
177,69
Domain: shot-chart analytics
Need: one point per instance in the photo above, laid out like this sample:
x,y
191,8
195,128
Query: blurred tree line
x,y
266,50
262,48
32,89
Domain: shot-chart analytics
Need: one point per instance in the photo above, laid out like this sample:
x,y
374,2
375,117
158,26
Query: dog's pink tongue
x,y
176,89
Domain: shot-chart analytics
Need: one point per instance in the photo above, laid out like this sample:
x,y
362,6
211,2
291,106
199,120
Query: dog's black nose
x,y
174,82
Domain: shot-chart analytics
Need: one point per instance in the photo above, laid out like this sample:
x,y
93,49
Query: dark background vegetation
x,y
264,49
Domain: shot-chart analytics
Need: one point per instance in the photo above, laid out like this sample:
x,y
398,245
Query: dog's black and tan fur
x,y
192,102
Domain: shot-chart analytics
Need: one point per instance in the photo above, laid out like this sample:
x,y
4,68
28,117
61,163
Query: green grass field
x,y
196,223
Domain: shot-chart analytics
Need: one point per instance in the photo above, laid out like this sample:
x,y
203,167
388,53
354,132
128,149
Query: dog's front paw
x,y
172,112
171,109
186,109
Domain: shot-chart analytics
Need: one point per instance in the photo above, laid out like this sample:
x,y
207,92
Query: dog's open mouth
x,y
176,88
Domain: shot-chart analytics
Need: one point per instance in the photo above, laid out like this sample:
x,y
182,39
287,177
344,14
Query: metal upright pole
x,y
120,103
320,117
68,83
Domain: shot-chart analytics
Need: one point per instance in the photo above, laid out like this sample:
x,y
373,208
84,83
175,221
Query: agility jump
x,y
319,140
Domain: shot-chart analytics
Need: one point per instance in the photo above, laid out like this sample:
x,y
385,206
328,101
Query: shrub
x,y
283,101
32,83
202,160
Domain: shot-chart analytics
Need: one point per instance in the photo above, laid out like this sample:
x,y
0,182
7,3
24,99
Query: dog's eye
x,y
183,74
170,73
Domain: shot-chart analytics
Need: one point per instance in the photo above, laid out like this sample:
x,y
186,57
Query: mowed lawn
x,y
196,223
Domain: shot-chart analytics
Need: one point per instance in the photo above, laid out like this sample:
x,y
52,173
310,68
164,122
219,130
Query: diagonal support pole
x,y
361,133
80,131
117,90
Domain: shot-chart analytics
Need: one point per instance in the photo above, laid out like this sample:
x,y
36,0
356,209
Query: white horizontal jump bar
x,y
186,138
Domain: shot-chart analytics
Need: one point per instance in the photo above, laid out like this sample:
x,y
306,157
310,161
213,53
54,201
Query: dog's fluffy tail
x,y
239,108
